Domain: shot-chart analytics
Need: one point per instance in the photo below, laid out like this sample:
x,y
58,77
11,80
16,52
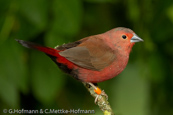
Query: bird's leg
x,y
98,91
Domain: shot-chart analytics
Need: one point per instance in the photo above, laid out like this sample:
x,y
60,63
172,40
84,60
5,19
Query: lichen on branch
x,y
102,101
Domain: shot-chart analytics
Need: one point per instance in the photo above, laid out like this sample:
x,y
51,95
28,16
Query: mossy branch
x,y
102,101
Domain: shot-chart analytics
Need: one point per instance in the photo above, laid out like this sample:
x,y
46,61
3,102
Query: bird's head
x,y
123,38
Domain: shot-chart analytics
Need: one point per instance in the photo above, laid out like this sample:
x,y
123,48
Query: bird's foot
x,y
103,94
98,91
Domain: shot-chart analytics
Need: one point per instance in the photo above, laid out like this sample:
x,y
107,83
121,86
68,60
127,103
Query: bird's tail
x,y
47,50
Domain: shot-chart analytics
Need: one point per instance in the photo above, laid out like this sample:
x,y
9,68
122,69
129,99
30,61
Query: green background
x,y
30,80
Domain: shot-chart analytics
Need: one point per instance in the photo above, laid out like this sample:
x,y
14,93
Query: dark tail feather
x,y
28,44
47,50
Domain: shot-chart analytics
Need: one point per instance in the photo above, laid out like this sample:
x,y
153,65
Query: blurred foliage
x,y
30,80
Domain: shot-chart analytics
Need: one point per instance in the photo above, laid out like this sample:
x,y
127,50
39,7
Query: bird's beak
x,y
136,38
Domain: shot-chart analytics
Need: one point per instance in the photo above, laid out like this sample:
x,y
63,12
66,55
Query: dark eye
x,y
124,36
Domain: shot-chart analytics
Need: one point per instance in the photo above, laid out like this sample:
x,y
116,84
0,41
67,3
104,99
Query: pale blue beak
x,y
136,38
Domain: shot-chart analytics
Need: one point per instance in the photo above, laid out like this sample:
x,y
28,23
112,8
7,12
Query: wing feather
x,y
92,54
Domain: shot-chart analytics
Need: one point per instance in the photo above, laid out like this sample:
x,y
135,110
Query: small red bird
x,y
95,58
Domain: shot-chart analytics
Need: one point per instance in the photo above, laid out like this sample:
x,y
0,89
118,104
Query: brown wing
x,y
70,45
92,54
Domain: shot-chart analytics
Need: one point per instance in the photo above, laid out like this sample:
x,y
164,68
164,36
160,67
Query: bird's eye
x,y
124,36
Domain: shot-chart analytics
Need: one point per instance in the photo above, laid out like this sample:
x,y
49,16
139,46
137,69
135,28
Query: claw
x,y
104,94
96,99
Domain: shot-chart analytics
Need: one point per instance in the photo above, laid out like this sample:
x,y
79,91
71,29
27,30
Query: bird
x,y
93,59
